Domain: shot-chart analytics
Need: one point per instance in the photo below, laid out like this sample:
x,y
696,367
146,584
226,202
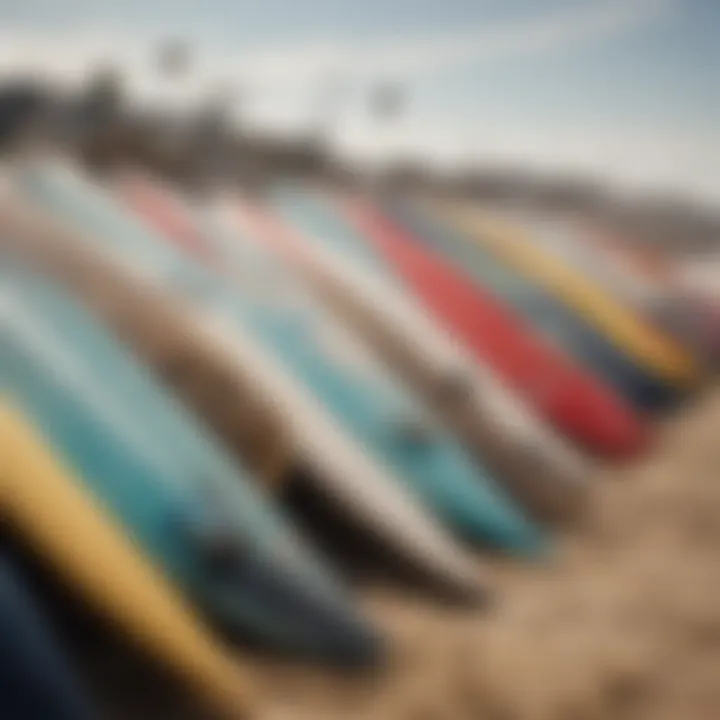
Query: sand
x,y
623,621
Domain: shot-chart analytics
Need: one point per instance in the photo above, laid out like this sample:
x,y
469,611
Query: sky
x,y
625,90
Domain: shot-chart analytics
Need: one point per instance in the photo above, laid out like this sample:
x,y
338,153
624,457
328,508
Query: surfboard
x,y
161,208
42,499
36,677
559,390
701,276
652,284
362,397
170,338
361,489
644,288
660,355
566,242
160,410
540,469
554,319
199,518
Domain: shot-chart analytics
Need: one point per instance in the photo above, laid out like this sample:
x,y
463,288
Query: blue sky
x,y
624,89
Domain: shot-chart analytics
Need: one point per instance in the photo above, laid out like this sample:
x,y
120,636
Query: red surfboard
x,y
148,199
574,401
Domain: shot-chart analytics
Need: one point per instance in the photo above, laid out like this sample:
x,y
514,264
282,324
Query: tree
x,y
103,97
22,103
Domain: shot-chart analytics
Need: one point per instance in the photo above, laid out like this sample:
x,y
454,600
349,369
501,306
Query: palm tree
x,y
386,100
174,57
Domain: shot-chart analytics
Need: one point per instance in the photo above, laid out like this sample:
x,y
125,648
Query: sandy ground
x,y
622,623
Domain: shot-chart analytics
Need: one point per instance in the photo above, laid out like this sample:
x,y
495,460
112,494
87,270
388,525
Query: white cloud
x,y
407,58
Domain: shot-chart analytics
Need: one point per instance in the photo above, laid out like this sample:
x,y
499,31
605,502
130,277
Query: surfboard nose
x,y
625,435
288,608
342,638
469,501
316,625
495,522
483,513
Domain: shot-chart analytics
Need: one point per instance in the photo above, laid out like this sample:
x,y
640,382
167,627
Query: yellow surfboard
x,y
40,497
652,349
